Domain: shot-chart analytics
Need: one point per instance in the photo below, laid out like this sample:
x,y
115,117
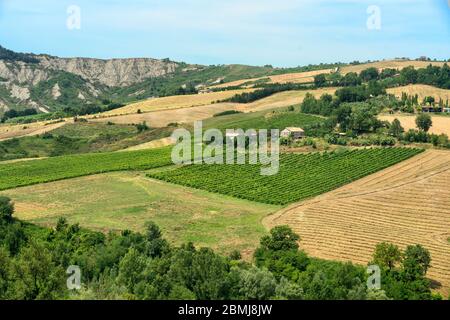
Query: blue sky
x,y
256,32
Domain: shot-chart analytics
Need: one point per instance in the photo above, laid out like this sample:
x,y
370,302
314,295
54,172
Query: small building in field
x,y
292,132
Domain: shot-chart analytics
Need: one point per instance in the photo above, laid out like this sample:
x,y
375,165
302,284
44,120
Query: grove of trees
x,y
130,265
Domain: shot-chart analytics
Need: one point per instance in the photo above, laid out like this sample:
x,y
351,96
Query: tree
x,y
36,276
387,255
429,100
350,79
408,75
6,209
155,243
320,80
256,284
416,261
396,128
130,269
369,74
5,263
424,122
280,238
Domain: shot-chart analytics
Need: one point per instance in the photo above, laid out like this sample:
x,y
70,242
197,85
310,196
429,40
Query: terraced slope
x,y
406,204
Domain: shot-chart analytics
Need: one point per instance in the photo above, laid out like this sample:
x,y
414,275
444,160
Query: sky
x,y
282,33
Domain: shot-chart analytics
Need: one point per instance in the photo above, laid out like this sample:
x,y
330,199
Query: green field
x,y
79,137
126,200
301,176
263,120
30,172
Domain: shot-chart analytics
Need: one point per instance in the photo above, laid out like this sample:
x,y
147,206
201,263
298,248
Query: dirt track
x,y
406,204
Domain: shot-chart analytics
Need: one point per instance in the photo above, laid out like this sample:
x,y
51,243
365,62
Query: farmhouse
x,y
295,133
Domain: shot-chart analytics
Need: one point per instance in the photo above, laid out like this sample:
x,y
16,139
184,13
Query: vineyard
x,y
24,173
301,176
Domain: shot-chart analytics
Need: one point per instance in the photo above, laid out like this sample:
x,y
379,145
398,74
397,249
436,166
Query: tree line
x,y
130,265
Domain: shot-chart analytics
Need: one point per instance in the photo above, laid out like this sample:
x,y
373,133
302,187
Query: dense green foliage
x,y
57,168
18,113
33,264
9,55
301,176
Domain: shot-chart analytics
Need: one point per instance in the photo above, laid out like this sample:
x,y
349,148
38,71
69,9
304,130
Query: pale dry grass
x,y
174,102
422,91
298,77
283,99
406,204
441,124
29,129
162,118
159,143
391,64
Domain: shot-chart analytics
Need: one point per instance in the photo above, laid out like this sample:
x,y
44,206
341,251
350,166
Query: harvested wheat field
x,y
159,143
298,77
441,124
422,91
160,119
391,64
406,204
31,129
174,102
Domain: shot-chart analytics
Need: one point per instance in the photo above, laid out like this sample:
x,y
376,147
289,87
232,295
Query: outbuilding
x,y
292,132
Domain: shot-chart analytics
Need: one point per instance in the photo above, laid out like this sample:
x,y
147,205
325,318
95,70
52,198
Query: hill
x,y
404,204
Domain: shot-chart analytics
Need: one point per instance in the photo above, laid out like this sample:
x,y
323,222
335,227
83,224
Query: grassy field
x,y
300,176
79,137
125,200
406,204
58,168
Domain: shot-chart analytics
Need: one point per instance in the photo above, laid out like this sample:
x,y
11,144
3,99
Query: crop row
x,y
30,172
300,176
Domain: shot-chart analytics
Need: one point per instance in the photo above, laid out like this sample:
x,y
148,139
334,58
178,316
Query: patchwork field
x,y
159,119
392,64
118,201
31,129
162,118
299,77
422,91
441,124
175,102
300,176
406,204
